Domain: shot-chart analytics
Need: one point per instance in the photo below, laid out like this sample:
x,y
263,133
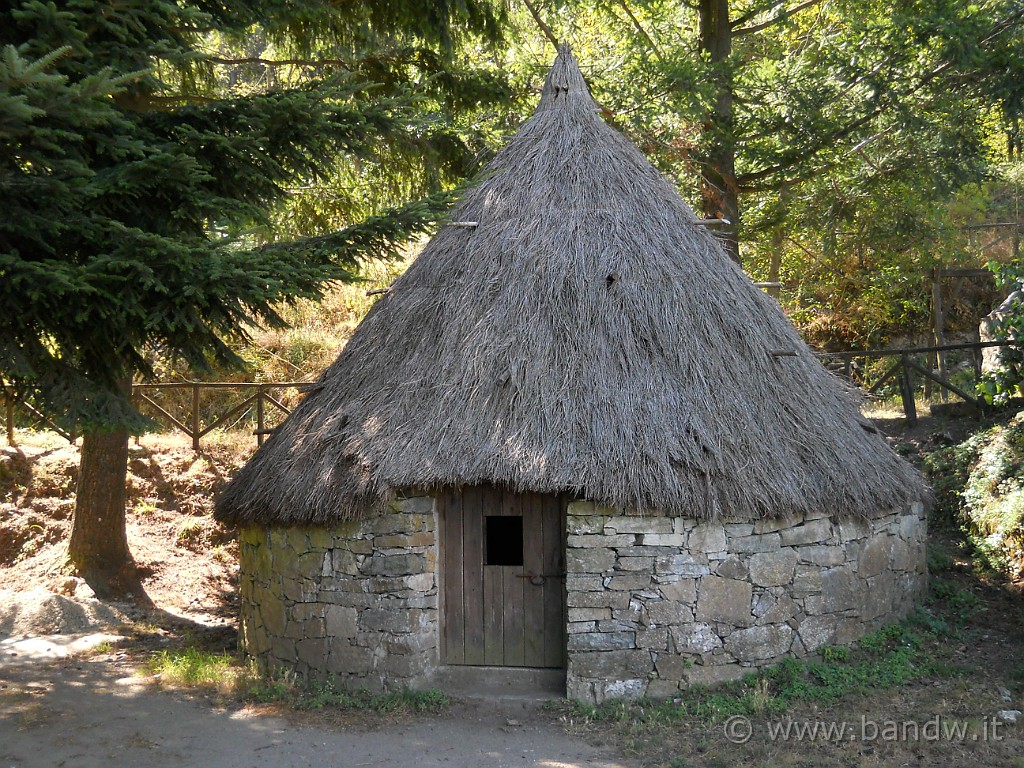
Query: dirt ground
x,y
99,713
65,700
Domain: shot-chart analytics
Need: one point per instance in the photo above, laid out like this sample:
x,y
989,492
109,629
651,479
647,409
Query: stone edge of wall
x,y
654,603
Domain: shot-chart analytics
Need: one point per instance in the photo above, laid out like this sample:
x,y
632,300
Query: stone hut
x,y
572,436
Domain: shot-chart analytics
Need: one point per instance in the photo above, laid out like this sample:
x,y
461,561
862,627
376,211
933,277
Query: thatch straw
x,y
585,337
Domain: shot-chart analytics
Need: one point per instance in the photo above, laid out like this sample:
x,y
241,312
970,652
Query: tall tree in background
x,y
834,132
131,191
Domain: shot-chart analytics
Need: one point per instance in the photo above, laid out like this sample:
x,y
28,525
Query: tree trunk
x,y
98,549
719,190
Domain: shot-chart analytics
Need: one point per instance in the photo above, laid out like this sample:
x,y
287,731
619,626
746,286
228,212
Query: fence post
x,y
195,417
259,415
9,406
907,392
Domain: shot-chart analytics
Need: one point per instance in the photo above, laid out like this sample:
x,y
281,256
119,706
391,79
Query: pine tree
x,y
130,189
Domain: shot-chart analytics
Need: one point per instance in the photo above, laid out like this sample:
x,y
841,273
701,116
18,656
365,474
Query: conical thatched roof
x,y
587,336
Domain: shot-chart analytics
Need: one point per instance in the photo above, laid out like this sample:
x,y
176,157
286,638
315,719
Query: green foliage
x,y
142,204
979,486
893,656
997,387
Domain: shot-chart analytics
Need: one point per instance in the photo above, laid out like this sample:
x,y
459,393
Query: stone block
x,y
584,583
810,532
592,541
683,564
617,625
874,559
781,610
341,621
580,508
602,599
620,689
649,524
816,631
420,582
576,627
853,529
773,524
840,591
683,591
601,641
672,666
344,561
732,568
696,638
349,659
654,639
579,690
312,651
661,612
714,674
822,554
394,565
769,569
596,560
319,538
392,620
733,530
610,665
645,564
726,600
417,505
806,581
658,690
589,614
273,616
629,582
404,540
759,643
764,542
708,537
415,643
662,539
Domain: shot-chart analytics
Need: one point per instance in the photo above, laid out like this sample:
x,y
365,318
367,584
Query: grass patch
x,y
195,668
227,675
893,656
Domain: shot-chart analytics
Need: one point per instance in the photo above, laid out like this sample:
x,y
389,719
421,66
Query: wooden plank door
x,y
503,587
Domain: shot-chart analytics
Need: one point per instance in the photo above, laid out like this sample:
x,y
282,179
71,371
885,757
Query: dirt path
x,y
97,714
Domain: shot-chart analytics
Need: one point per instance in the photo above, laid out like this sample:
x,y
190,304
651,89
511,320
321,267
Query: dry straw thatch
x,y
586,337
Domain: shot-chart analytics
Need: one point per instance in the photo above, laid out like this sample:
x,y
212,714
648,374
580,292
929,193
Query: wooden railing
x,y
262,397
259,395
906,367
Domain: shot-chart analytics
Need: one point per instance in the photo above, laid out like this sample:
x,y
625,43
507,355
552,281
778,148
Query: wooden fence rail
x,y
905,368
260,395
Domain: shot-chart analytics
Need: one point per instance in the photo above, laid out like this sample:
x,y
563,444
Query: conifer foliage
x,y
129,192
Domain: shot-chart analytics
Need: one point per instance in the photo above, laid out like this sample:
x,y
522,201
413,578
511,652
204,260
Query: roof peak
x,y
565,83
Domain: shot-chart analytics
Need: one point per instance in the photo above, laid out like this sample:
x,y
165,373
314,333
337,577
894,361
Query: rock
x,y
759,643
725,600
771,569
1009,715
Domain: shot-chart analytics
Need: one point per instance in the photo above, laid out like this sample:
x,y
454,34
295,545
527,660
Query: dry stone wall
x,y
356,603
656,603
